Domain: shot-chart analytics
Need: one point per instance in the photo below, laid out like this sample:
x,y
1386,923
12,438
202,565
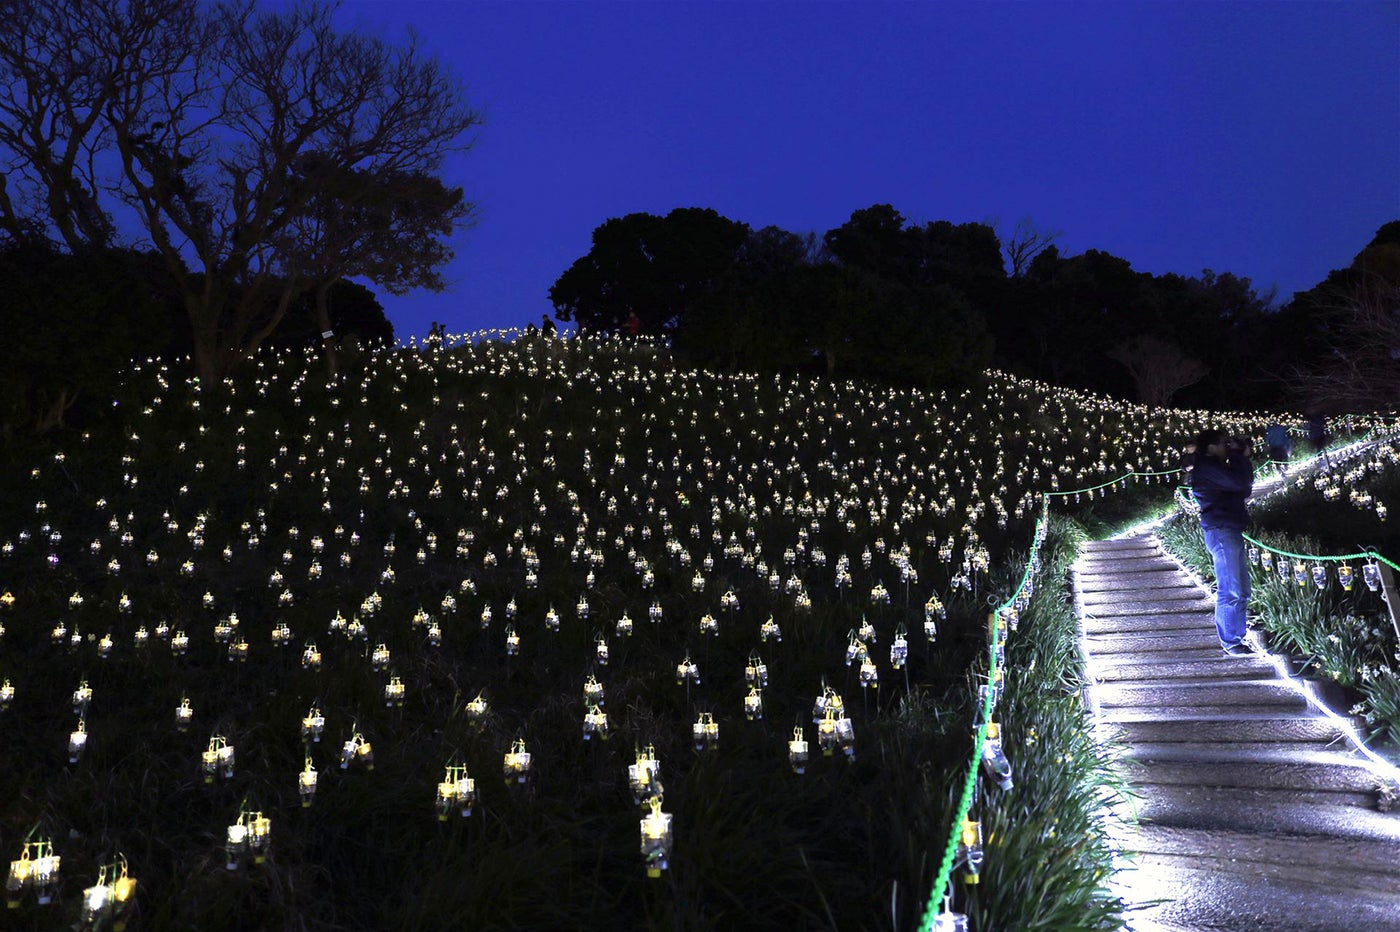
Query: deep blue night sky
x,y
1257,138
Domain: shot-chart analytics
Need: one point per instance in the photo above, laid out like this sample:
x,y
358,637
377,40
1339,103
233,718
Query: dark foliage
x,y
879,297
72,325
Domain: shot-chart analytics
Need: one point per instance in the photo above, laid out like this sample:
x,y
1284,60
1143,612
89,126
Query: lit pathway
x,y
1255,812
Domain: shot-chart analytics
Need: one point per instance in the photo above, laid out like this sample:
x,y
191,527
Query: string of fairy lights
x,y
713,511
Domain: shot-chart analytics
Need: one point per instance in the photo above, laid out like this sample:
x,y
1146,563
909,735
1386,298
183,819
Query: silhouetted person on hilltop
x,y
547,327
1280,445
1317,433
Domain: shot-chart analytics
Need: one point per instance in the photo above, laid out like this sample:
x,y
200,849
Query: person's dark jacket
x,y
1221,489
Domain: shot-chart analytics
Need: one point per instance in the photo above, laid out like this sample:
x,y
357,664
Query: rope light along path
x,y
995,638
1363,555
997,624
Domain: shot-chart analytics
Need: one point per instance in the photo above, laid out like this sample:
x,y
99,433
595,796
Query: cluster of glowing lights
x,y
746,484
36,871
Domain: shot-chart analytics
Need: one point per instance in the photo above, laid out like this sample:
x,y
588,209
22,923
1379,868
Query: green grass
x,y
557,449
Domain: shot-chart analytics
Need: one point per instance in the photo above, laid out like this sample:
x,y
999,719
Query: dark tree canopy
x,y
871,298
72,323
932,303
1349,325
353,312
232,134
658,268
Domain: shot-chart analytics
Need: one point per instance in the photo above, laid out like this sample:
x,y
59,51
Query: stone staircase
x,y
1255,812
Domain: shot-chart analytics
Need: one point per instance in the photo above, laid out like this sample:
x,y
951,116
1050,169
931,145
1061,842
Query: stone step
x,y
1123,545
1337,863
1351,777
1207,652
1263,753
1216,693
1134,582
1306,729
1173,621
1127,715
1131,608
1174,893
1210,663
1109,554
1245,810
1265,750
1146,567
1130,643
1144,562
1127,601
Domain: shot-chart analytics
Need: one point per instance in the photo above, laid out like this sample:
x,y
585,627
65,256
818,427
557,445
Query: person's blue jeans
x,y
1231,584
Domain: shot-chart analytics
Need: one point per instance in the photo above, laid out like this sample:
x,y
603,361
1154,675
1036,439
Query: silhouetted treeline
x,y
263,155
74,321
936,304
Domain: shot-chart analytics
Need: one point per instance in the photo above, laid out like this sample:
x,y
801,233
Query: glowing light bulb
x,y
753,704
184,714
970,851
306,784
357,751
994,757
656,838
595,722
236,845
312,724
705,732
643,777
518,762
899,648
798,751
687,670
77,741
81,697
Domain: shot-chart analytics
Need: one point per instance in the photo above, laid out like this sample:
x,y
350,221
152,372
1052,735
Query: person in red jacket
x,y
633,325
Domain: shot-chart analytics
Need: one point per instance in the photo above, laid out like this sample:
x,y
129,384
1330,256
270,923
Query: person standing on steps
x,y
1280,447
1221,479
1317,434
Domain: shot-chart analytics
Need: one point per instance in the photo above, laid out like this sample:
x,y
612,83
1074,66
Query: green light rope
x,y
950,852
1364,555
1103,485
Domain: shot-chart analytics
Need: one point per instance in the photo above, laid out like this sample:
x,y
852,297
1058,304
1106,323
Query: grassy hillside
x,y
484,519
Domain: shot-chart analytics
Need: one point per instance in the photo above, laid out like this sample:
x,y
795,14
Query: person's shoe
x,y
1242,649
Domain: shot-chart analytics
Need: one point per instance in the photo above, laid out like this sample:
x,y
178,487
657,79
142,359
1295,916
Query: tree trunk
x,y
50,415
208,361
323,319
